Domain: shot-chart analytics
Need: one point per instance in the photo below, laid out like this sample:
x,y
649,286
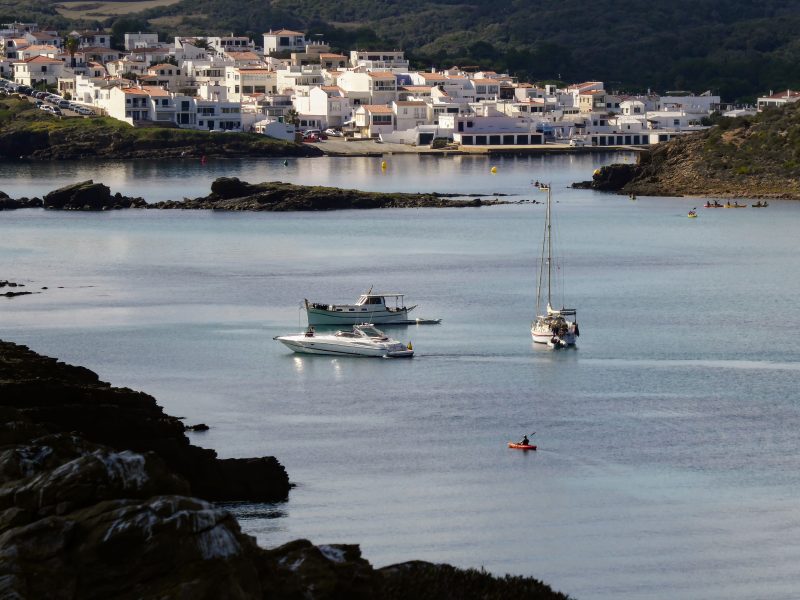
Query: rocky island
x,y
102,495
745,157
232,194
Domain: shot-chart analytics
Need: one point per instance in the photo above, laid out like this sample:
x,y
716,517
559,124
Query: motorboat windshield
x,y
370,331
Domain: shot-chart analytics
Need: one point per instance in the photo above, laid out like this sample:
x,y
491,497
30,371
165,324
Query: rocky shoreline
x,y
96,487
231,194
753,157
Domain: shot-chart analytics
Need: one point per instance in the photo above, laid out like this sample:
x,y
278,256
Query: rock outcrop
x,y
88,195
229,193
84,519
72,399
746,157
8,203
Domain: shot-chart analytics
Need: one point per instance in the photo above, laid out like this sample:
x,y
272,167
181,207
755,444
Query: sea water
x,y
668,462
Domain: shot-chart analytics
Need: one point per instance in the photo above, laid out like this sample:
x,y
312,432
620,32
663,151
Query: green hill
x,y
750,157
737,48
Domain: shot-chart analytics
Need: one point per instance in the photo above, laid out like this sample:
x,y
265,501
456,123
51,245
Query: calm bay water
x,y
668,461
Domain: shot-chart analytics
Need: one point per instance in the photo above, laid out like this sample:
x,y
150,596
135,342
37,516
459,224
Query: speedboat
x,y
363,340
372,308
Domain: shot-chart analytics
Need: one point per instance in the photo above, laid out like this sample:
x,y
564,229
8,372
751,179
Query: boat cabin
x,y
379,300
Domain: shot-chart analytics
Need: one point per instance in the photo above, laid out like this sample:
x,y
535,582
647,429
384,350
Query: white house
x,y
379,59
779,99
140,40
327,104
490,128
92,39
299,78
374,87
249,81
284,40
374,120
409,114
37,70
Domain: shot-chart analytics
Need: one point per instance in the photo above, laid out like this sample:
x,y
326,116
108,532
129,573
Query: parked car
x,y
310,137
63,104
577,143
334,132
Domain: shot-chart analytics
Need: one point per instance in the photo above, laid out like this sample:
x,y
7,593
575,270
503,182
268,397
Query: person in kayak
x,y
524,441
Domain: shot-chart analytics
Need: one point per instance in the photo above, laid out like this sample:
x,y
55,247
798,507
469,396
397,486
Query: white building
x,y
779,99
284,40
37,70
140,40
490,128
379,60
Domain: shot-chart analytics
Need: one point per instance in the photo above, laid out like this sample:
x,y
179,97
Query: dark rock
x,y
86,195
66,399
80,519
613,178
229,193
198,427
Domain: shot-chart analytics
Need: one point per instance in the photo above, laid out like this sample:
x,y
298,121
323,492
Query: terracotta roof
x,y
381,75
435,76
133,92
784,94
155,92
48,47
410,103
42,60
485,81
284,32
377,108
163,66
331,55
241,55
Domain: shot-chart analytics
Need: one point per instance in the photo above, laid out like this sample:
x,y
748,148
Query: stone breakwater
x,y
231,194
95,486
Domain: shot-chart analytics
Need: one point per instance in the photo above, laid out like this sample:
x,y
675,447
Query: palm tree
x,y
71,45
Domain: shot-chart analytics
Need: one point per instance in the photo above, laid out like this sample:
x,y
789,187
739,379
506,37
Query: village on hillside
x,y
293,88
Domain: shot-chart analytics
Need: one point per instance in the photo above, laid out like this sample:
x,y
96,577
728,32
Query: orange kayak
x,y
521,446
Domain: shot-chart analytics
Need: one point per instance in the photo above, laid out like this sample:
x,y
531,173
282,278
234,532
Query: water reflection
x,y
178,178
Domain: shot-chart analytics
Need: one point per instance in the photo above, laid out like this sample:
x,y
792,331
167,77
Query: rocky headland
x,y
30,134
232,194
745,157
102,496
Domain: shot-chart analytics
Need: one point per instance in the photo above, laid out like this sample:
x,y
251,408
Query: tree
x,y
71,45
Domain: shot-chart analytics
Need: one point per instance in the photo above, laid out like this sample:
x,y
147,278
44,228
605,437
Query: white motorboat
x,y
371,308
363,340
558,328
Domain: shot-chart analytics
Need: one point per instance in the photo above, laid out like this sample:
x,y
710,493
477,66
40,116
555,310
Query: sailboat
x,y
556,327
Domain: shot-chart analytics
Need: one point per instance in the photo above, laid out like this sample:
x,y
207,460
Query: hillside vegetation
x,y
737,48
752,157
26,132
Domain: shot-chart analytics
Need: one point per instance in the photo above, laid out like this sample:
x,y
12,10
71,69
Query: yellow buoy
x,y
383,165
494,170
596,172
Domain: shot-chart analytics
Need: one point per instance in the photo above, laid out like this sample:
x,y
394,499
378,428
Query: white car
x,y
576,143
333,132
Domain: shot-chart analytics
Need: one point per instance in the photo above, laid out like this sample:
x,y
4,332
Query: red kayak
x,y
517,446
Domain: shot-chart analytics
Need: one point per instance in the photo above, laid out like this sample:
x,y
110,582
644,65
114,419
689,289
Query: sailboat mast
x,y
549,247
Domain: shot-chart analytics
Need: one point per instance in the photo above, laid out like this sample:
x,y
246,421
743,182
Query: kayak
x,y
521,446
